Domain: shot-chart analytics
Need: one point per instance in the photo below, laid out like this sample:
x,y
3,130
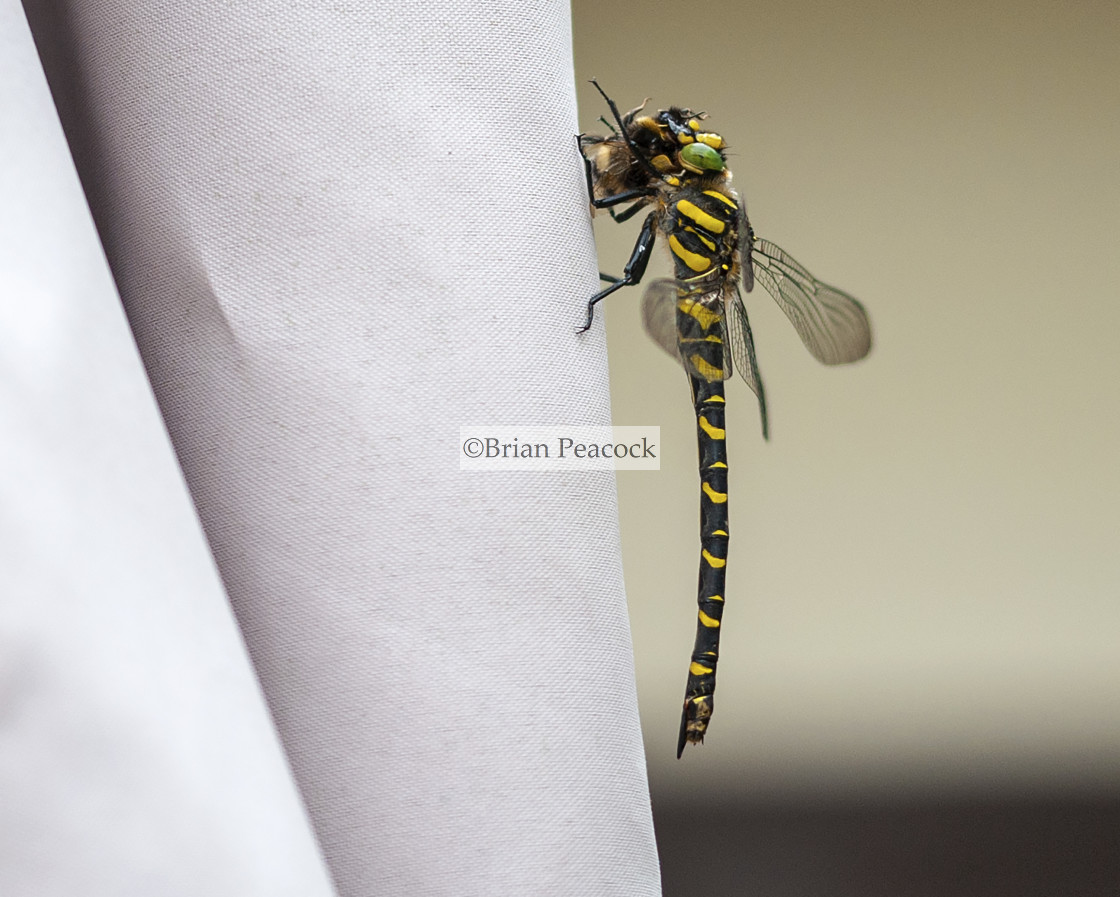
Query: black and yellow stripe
x,y
702,233
703,239
700,336
666,163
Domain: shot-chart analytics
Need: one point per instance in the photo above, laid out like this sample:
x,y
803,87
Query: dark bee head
x,y
672,141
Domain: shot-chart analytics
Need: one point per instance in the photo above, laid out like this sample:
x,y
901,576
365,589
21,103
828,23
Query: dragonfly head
x,y
697,150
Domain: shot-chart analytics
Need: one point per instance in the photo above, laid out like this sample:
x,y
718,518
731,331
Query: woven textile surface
x,y
340,232
136,753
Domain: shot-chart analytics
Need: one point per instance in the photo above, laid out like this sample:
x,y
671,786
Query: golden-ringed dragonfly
x,y
671,164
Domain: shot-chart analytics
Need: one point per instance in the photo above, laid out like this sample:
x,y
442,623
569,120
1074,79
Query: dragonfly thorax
x,y
701,226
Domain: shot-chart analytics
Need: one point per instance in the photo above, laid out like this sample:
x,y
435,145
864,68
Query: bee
x,y
671,164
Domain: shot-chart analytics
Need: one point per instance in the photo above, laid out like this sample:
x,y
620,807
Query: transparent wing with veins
x,y
832,325
660,304
659,315
742,350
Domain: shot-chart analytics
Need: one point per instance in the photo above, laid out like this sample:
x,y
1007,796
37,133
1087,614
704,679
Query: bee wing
x,y
742,349
660,305
831,324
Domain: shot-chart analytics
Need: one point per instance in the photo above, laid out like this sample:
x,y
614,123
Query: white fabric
x,y
136,753
341,231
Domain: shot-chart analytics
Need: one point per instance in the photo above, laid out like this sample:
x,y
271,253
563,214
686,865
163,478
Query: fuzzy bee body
x,y
671,166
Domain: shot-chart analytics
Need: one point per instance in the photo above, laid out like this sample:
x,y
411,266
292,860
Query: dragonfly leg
x,y
634,269
627,214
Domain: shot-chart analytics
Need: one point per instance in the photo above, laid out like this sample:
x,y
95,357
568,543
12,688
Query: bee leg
x,y
609,278
607,201
634,269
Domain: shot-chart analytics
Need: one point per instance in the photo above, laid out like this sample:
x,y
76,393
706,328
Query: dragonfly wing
x,y
659,315
831,324
742,349
690,328
746,239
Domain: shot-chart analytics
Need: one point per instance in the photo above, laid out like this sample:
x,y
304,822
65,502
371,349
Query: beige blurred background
x,y
924,586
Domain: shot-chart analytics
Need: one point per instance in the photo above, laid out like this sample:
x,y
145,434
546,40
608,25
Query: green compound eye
x,y
702,157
